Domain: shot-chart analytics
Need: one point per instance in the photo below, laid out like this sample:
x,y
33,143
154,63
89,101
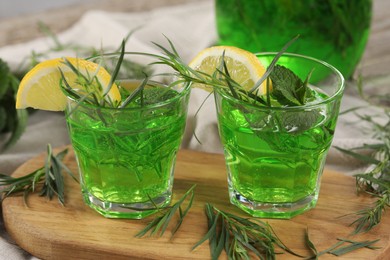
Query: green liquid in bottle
x,y
334,31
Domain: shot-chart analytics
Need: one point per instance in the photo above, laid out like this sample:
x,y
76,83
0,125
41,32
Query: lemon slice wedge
x,y
40,87
243,66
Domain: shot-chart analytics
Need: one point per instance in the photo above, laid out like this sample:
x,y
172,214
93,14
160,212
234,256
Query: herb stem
x,y
239,236
160,223
49,177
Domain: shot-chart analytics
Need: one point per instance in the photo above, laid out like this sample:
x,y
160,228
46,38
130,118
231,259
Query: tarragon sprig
x,y
239,237
294,92
93,92
48,180
376,181
182,72
339,248
159,224
371,216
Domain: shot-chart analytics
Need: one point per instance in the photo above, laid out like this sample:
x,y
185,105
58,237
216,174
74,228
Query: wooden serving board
x,y
50,231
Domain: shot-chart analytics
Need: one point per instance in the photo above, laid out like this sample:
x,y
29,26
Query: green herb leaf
x,y
239,236
17,127
298,122
114,74
376,181
372,216
338,249
273,63
138,91
359,156
287,87
3,118
160,223
4,78
310,244
354,245
12,121
49,177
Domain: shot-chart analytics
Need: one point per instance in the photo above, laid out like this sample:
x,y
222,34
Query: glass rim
x,y
335,95
186,88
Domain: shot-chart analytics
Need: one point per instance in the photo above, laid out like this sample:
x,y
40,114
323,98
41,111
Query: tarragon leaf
x,y
48,177
353,246
160,223
310,244
239,236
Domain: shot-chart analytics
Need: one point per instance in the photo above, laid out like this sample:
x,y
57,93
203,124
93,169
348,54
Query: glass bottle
x,y
335,31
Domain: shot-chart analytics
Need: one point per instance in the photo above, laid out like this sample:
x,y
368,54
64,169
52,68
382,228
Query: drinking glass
x,y
335,31
275,155
126,156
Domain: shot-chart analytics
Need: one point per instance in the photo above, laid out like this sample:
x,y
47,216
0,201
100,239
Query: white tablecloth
x,y
191,28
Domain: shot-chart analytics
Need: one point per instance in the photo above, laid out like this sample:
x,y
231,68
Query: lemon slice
x,y
40,87
243,66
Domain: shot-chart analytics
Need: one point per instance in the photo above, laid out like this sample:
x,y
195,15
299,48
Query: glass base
x,y
126,210
273,210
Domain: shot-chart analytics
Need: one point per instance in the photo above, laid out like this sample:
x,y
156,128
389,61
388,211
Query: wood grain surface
x,y
50,231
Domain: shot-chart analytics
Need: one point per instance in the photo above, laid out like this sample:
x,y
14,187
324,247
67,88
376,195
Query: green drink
x,y
334,31
275,155
126,157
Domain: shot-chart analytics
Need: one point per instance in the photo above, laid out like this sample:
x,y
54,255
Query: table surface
x,y
50,231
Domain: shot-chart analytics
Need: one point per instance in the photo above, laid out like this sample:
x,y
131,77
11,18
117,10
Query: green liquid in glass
x,y
127,159
275,161
335,31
